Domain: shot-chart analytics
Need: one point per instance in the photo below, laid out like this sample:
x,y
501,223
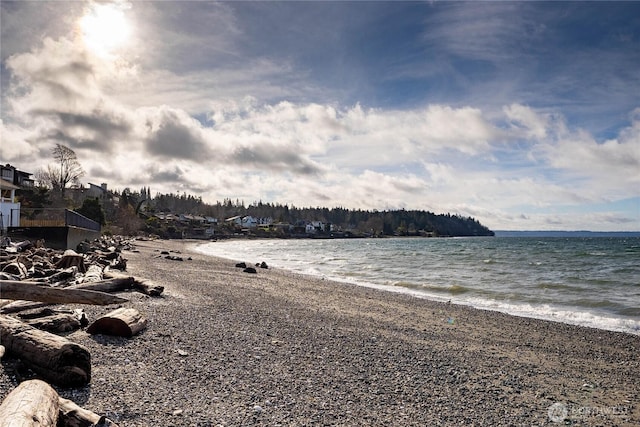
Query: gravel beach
x,y
229,348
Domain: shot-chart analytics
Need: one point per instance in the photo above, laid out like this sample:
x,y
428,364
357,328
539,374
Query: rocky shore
x,y
226,347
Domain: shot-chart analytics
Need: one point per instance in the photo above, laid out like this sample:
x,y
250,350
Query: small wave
x,y
630,311
457,290
590,303
452,290
558,287
566,315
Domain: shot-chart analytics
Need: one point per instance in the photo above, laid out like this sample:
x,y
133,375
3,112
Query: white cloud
x,y
14,142
245,133
533,125
609,168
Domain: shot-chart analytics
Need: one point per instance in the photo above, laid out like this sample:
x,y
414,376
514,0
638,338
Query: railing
x,y
52,217
73,218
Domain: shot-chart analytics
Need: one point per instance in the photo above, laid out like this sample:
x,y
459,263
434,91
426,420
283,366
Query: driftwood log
x,y
123,322
30,291
52,320
17,306
61,322
72,415
53,357
17,269
119,284
71,258
33,403
93,274
144,286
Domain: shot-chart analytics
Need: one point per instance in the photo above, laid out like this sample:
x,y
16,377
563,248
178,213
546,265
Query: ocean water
x,y
586,281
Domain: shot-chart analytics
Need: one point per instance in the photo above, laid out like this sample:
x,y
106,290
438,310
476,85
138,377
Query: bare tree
x,y
67,169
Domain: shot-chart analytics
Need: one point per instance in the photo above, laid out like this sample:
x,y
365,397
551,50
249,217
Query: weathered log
x,y
148,287
123,322
144,286
36,292
70,258
93,274
56,320
7,276
117,284
22,246
16,269
18,306
55,358
33,403
63,275
72,415
61,322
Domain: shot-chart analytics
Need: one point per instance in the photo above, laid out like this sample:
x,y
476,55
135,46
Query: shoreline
x,y
572,315
281,348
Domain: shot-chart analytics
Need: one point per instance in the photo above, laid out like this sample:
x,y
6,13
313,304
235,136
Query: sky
x,y
522,115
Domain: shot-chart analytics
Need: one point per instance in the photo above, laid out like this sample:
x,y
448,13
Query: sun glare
x,y
104,28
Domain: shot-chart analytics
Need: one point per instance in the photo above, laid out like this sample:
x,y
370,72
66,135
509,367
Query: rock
x,y
250,270
241,265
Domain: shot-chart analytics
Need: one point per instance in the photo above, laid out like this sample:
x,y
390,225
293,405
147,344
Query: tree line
x,y
389,222
134,206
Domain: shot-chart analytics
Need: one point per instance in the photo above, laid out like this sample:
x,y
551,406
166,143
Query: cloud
x,y
15,142
57,89
609,167
526,121
173,134
205,106
276,158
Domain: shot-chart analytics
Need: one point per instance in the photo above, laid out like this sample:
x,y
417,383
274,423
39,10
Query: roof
x,y
6,185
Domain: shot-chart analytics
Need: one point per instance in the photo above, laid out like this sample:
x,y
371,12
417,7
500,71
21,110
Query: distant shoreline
x,y
552,233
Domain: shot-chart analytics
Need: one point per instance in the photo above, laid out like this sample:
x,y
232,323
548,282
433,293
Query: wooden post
x,y
123,322
55,358
32,404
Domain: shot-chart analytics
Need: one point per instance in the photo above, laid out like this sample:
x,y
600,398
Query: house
x,y
315,227
248,222
97,191
16,177
9,208
12,180
192,219
166,217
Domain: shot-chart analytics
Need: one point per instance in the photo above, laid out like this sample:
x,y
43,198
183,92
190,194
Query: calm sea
x,y
586,281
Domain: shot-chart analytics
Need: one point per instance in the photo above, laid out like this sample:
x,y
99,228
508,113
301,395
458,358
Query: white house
x,y
314,227
249,222
9,209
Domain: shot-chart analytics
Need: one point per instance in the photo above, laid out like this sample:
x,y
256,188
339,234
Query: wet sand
x,y
229,348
